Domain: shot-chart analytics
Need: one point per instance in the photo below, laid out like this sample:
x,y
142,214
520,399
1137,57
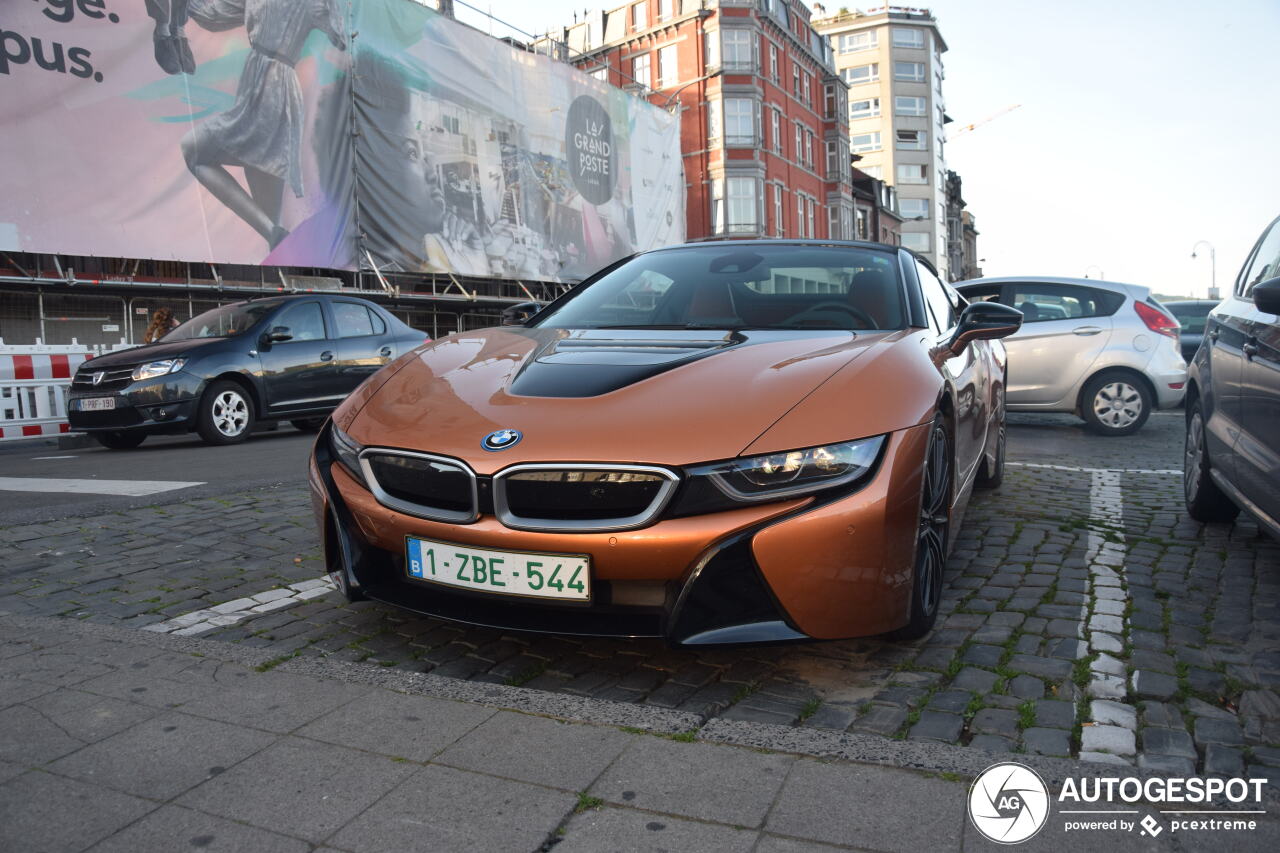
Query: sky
x,y
1144,127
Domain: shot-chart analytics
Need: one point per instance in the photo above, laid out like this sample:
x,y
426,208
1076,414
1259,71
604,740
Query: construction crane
x,y
968,127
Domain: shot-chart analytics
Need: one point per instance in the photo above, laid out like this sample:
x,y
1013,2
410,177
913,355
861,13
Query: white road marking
x,y
39,458
127,488
232,612
1164,472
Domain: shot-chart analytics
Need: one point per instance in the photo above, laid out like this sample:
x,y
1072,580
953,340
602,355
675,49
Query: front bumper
x,y
164,404
791,570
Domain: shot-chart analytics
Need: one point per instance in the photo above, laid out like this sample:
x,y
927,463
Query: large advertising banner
x,y
322,133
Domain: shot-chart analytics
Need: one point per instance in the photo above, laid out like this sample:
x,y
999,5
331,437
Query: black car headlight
x,y
152,369
777,476
347,451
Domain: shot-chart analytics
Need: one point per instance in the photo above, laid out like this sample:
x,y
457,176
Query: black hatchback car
x,y
291,358
1232,459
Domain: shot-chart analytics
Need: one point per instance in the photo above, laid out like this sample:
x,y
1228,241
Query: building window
x,y
640,15
861,74
912,140
809,205
912,173
864,108
876,172
860,223
641,71
795,80
740,121
737,48
908,105
808,148
833,159
909,72
664,9
908,37
914,208
668,71
860,142
916,241
774,72
799,215
734,206
776,120
777,210
854,42
601,74
714,120
808,93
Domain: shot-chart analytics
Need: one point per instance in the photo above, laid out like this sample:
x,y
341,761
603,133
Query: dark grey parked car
x,y
1192,315
292,358
1232,457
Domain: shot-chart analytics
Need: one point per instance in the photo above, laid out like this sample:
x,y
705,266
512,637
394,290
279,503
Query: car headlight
x,y
152,369
776,476
347,451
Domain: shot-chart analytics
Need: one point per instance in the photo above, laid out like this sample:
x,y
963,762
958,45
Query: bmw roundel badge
x,y
501,439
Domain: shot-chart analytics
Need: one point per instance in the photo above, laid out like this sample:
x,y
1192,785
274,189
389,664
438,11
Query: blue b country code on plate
x,y
530,574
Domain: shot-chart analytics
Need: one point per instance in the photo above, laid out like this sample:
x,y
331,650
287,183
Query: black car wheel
x,y
991,474
226,414
117,440
1115,404
308,424
1205,501
931,534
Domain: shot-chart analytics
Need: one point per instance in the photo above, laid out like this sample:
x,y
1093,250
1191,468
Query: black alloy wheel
x,y
932,532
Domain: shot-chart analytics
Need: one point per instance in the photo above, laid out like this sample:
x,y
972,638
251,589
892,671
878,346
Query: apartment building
x,y
891,59
763,111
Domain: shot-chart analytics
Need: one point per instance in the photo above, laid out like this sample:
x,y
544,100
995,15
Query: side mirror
x,y
984,321
1266,295
518,315
279,334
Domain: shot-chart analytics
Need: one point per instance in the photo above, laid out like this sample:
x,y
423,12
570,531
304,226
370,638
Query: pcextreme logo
x,y
1008,803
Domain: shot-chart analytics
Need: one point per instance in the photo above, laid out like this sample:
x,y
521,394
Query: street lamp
x,y
1101,274
1213,267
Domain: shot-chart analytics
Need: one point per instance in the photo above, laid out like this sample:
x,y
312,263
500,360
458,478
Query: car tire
x,y
119,440
1115,404
1205,501
932,532
991,474
226,414
308,424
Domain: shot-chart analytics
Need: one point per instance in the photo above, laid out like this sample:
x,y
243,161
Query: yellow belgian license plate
x,y
532,574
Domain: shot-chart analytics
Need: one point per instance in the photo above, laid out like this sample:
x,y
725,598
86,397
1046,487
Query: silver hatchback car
x,y
1106,351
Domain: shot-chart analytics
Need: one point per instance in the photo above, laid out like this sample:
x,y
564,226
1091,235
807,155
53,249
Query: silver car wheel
x,y
230,413
1117,405
1194,460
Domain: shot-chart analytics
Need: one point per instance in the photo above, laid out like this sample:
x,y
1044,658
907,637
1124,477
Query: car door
x,y
966,372
363,343
1064,330
298,372
1257,453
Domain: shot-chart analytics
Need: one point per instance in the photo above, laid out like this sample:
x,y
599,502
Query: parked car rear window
x,y
1192,316
1040,303
747,286
355,320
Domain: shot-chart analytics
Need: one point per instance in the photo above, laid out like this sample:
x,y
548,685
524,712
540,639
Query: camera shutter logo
x,y
1008,803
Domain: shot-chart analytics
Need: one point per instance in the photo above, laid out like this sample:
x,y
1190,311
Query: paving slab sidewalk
x,y
118,740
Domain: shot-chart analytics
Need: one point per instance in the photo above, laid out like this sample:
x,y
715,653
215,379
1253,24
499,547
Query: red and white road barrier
x,y
33,389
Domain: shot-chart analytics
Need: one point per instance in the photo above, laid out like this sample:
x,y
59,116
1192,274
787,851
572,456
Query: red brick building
x,y
765,142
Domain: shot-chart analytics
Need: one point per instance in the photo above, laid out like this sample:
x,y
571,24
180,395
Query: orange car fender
x,y
845,569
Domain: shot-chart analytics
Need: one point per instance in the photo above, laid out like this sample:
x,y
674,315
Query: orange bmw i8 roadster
x,y
720,442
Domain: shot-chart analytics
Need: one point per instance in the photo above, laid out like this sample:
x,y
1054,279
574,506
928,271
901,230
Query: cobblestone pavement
x,y
1084,614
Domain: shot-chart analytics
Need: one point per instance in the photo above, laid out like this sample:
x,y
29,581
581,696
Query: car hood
x,y
148,352
655,396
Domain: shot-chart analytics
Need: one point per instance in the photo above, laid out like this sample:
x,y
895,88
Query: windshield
x,y
1192,317
728,286
222,322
